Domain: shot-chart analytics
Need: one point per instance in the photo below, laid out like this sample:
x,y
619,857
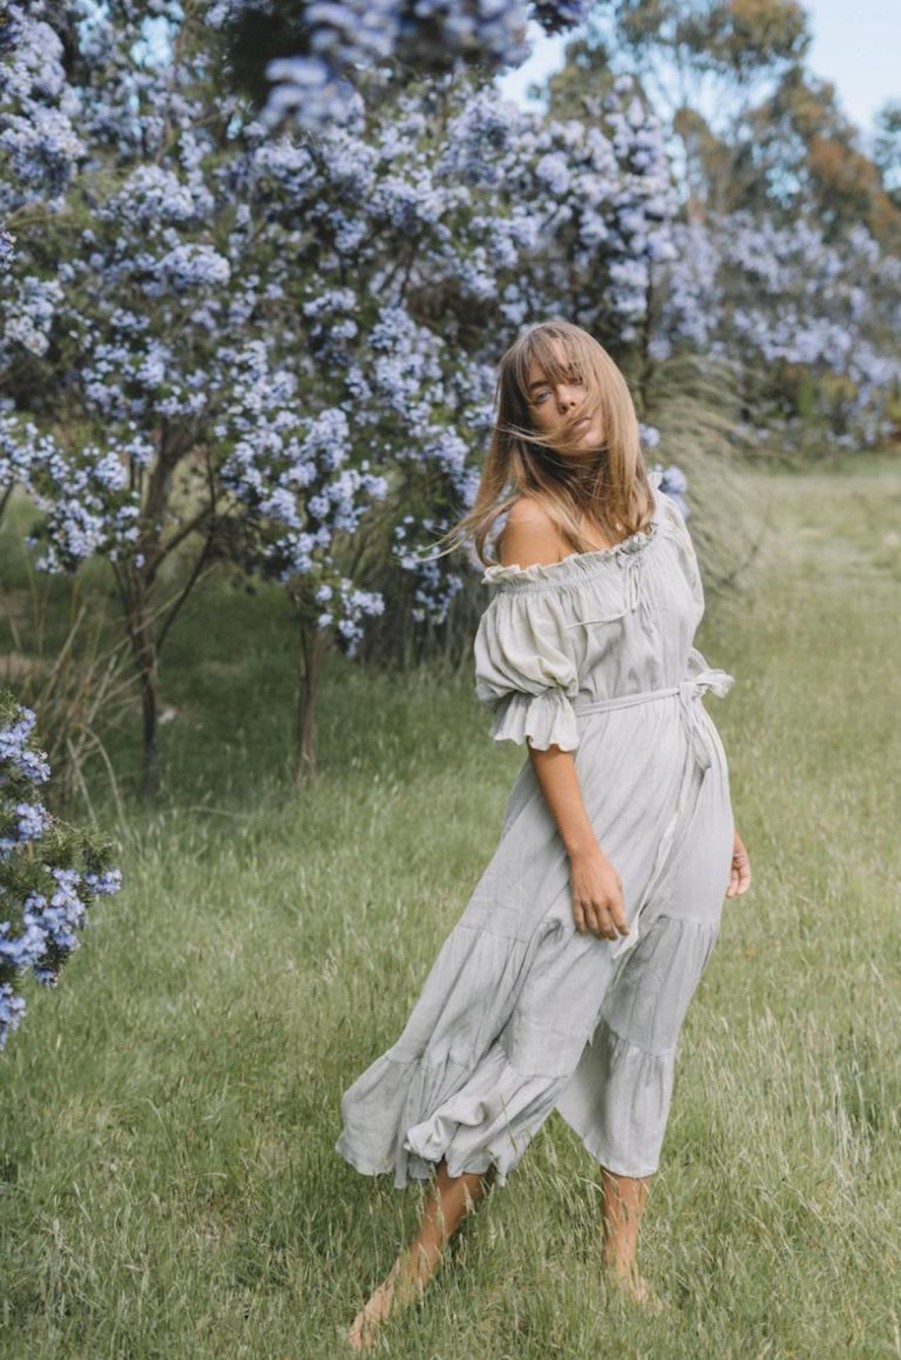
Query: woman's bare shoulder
x,y
530,537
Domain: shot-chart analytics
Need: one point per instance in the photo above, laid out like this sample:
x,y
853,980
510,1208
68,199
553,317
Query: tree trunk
x,y
308,671
145,654
150,769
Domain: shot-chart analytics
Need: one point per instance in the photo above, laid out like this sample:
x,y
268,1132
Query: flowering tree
x,y
319,53
121,336
123,266
280,349
456,219
790,312
276,348
50,873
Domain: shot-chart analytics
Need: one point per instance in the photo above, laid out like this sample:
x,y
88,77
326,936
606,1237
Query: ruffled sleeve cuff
x,y
545,719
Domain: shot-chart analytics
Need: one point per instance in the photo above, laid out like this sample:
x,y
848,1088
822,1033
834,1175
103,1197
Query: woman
x,y
565,982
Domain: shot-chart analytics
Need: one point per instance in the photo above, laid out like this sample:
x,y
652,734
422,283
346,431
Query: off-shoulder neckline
x,y
576,565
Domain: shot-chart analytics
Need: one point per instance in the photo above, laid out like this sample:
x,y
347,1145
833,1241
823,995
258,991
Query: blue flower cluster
x,y
436,585
7,250
39,112
295,336
88,504
762,298
575,211
27,320
428,37
674,483
19,758
49,873
300,493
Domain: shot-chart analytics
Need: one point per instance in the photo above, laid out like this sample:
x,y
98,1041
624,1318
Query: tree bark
x,y
140,629
311,649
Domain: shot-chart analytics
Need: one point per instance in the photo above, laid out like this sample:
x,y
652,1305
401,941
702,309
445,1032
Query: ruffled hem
x,y
624,1131
618,1097
487,1122
545,720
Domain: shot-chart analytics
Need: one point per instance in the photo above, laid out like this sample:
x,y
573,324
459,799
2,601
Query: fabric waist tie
x,y
700,678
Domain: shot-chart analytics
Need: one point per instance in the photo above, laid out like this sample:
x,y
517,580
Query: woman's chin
x,y
591,441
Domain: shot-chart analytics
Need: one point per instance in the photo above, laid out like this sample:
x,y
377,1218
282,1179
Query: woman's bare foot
x,y
624,1203
449,1200
632,1287
391,1294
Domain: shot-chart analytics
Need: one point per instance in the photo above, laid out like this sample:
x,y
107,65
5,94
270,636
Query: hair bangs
x,y
608,490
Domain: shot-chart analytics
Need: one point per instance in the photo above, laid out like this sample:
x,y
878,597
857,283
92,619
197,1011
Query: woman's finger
x,y
739,876
606,927
618,917
593,920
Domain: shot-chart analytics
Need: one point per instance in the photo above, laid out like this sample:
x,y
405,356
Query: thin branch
x,y
179,537
188,587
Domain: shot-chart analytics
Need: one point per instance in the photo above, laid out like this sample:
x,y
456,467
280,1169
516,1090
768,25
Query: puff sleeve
x,y
525,672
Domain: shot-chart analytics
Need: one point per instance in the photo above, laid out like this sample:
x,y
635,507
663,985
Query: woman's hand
x,y
597,893
740,876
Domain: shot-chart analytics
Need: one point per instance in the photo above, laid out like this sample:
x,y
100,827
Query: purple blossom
x,y
674,483
7,250
48,877
760,297
17,756
12,1010
432,37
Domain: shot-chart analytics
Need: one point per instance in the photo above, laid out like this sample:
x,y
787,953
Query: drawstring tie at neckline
x,y
631,560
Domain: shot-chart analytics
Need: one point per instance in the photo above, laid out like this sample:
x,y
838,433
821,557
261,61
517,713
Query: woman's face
x,y
550,404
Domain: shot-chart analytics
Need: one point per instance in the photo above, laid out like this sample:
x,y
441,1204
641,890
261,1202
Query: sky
x,y
856,45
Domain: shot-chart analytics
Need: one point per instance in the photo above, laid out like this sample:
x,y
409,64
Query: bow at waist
x,y
699,680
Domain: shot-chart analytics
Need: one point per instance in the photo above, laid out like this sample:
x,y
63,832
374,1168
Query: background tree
x,y
887,148
702,64
803,155
213,306
319,56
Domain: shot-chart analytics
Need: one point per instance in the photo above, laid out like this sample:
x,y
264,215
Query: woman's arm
x,y
597,890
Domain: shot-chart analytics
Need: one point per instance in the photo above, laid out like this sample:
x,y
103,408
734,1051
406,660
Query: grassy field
x,y
168,1186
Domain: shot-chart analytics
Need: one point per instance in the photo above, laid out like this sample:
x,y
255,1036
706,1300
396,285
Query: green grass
x,y
168,1186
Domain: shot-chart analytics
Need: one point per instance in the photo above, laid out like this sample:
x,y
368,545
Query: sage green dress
x,y
521,1014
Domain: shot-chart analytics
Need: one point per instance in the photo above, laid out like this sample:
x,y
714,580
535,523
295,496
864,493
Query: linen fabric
x,y
520,1014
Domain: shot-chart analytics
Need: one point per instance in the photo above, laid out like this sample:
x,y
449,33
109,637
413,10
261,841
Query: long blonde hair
x,y
609,488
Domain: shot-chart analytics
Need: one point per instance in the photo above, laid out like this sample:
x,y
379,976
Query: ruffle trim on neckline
x,y
577,565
